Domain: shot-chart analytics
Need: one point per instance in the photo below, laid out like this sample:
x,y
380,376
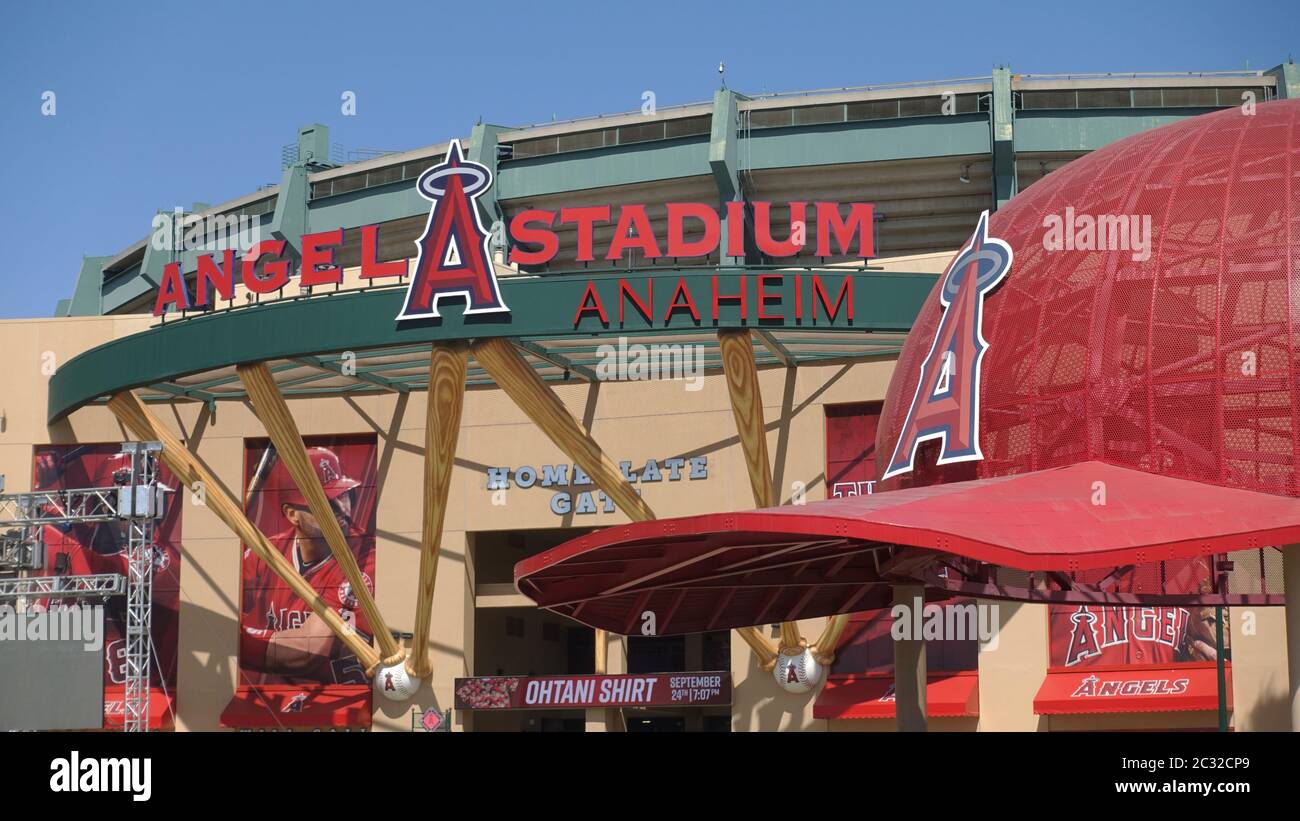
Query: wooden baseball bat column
x,y
829,640
1291,589
448,365
540,404
283,430
747,406
909,666
132,413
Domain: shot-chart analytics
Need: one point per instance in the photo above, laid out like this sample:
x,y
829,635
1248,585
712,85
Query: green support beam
x,y
724,164
1288,80
87,297
336,368
778,350
556,359
482,149
290,220
1002,121
155,259
187,393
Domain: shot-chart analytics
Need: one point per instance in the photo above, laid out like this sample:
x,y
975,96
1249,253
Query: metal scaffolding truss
x,y
62,587
138,505
140,510
95,504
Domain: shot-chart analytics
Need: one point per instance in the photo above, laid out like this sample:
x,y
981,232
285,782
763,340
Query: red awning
x,y
162,708
1132,689
293,705
737,569
872,696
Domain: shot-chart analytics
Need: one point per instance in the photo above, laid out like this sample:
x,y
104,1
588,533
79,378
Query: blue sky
x,y
160,105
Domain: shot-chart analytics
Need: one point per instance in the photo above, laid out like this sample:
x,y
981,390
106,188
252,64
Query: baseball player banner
x,y
285,648
100,547
1086,635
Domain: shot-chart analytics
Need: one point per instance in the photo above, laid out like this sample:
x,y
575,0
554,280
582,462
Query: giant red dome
x,y
1182,360
1163,368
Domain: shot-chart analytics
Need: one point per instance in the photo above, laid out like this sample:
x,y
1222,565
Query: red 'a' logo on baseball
x,y
454,259
946,404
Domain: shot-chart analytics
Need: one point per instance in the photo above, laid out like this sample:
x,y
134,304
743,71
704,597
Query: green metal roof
x,y
347,342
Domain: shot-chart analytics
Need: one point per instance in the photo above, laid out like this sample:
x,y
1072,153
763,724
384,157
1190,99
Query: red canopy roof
x,y
294,705
872,696
1132,689
162,708
727,570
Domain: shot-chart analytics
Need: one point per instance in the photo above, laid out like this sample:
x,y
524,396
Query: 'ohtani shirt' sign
x,y
564,692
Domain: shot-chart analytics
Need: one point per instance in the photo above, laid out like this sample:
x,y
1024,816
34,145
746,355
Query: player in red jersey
x,y
282,639
1090,635
100,548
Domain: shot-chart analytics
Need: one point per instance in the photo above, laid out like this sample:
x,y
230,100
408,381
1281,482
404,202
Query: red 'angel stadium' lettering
x,y
946,403
454,258
537,243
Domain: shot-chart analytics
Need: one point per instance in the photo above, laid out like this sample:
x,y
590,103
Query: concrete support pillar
x,y
1288,80
1002,117
1291,582
724,165
909,664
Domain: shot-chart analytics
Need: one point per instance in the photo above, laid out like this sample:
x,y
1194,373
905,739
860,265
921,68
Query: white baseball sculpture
x,y
796,670
395,683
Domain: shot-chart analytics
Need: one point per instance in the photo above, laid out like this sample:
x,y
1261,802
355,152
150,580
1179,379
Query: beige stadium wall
x,y
633,421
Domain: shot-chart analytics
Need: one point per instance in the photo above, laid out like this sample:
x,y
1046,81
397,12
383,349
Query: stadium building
x,y
393,394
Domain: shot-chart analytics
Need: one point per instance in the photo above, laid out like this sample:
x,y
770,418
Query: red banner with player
x,y
283,644
1094,636
100,547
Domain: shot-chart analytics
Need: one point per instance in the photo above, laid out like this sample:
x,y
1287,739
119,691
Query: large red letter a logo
x,y
454,256
946,404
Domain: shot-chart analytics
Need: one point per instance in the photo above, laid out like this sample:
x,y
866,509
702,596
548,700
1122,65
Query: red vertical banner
x,y
851,448
290,662
100,547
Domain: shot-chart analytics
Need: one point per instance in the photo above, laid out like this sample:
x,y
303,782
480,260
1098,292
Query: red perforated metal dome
x,y
1183,363
1174,356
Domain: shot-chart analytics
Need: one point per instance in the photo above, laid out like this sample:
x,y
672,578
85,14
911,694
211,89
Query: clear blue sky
x,y
165,104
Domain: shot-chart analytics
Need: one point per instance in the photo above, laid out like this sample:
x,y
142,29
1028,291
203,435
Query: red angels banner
x,y
1093,636
100,547
287,653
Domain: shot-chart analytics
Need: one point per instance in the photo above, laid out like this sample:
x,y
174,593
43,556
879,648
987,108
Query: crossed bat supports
x,y
448,366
